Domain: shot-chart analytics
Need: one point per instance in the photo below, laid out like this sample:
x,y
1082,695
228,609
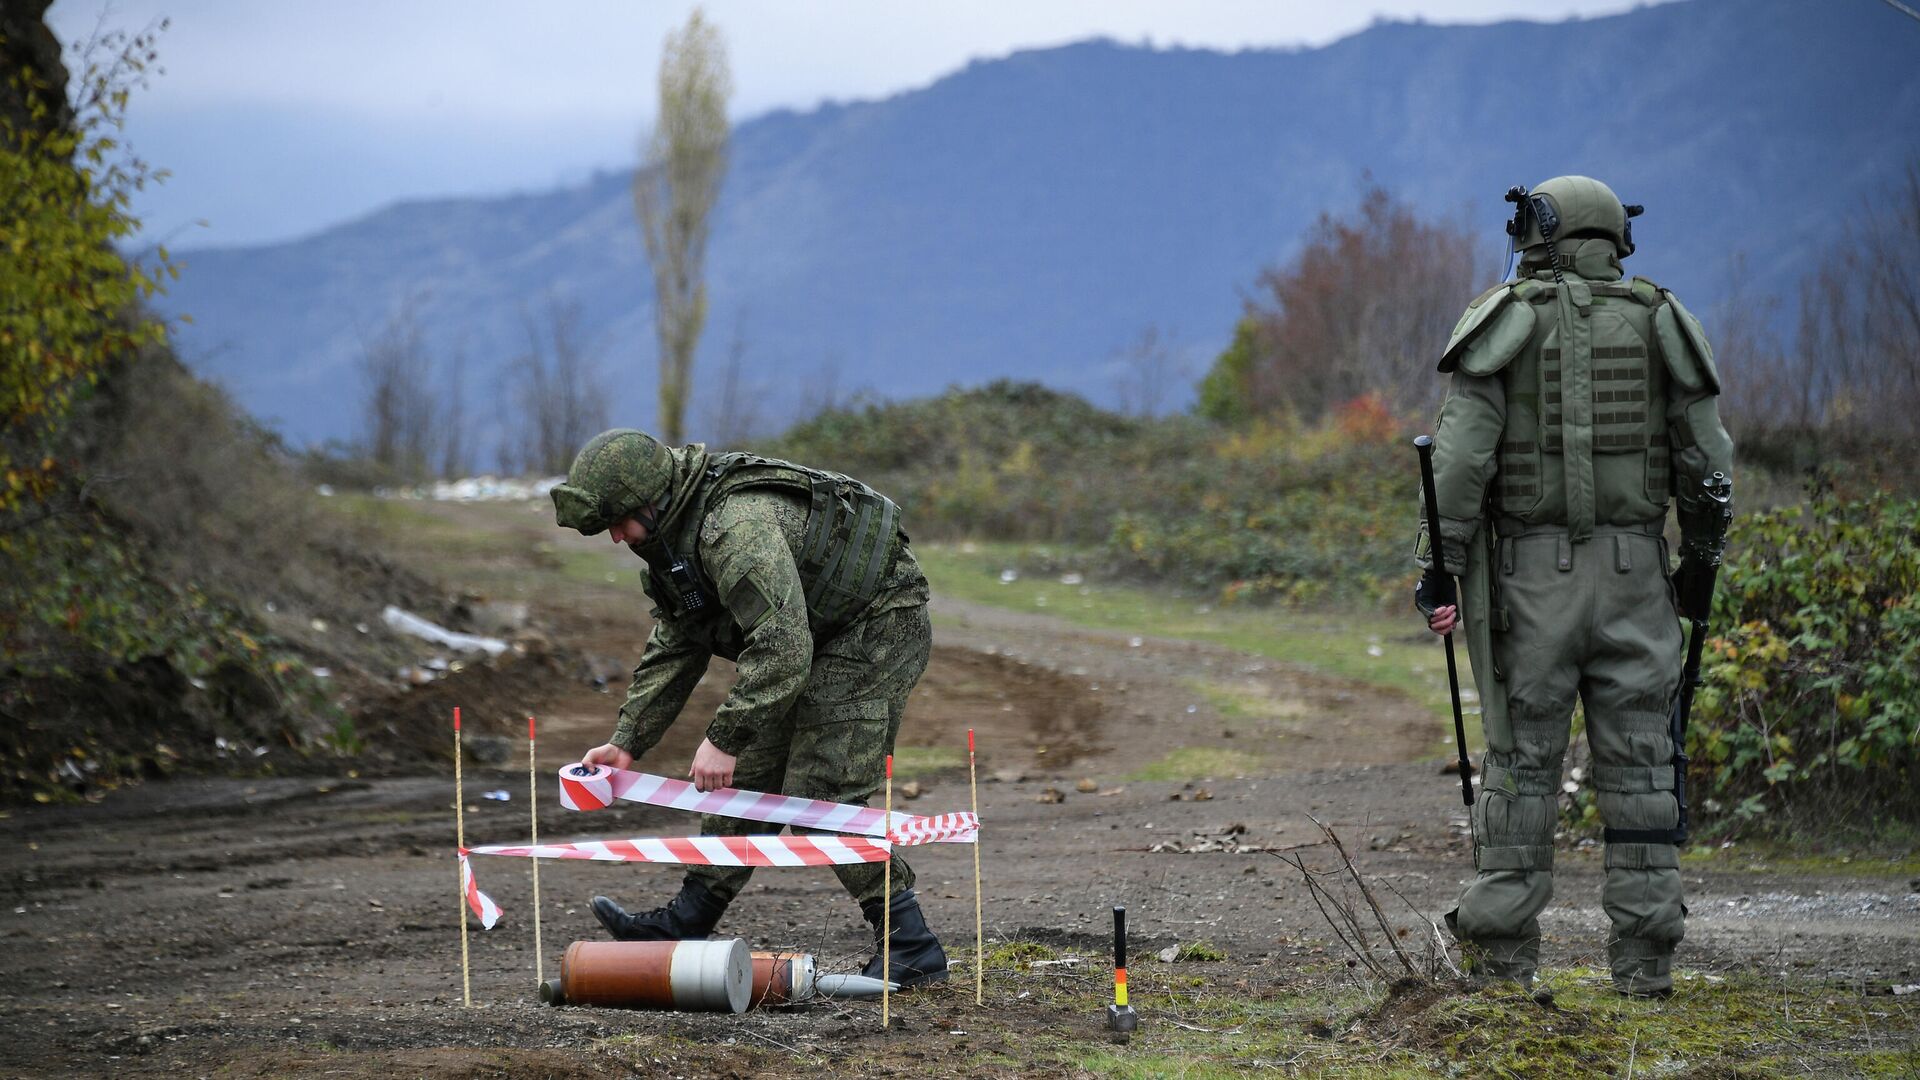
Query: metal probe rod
x,y
1424,444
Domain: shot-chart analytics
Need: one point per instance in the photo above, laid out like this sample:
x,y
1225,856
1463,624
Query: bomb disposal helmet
x,y
1576,206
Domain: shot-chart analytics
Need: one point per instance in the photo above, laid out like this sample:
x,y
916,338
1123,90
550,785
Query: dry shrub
x,y
1363,309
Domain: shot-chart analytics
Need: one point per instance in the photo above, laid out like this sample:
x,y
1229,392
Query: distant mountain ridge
x,y
1029,216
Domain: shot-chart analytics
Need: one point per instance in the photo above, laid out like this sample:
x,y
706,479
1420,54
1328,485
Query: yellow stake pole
x,y
460,838
886,906
533,818
979,938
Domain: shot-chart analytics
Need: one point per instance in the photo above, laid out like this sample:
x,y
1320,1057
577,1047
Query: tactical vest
x,y
1586,434
852,536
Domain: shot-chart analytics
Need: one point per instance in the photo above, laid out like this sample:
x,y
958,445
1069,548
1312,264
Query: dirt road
x,y
275,926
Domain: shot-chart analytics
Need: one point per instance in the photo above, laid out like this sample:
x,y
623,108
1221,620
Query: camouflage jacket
x,y
748,546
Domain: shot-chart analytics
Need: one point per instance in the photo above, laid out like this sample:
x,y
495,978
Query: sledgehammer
x,y
1121,1019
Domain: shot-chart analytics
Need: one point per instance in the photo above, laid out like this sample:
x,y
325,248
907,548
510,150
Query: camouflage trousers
x,y
833,744
1593,622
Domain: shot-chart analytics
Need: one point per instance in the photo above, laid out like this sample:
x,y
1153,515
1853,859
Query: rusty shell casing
x,y
691,976
781,978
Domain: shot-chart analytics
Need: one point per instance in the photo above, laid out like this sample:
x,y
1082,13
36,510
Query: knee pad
x,y
1637,803
1514,818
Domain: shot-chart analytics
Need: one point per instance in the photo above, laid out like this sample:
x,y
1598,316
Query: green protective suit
x,y
804,580
1574,411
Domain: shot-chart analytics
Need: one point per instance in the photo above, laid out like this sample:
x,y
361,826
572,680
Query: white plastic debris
x,y
483,489
408,623
1009,576
498,795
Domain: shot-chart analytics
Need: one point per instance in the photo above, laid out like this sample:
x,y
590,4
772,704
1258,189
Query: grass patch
x,y
1199,763
1369,647
1243,702
1198,951
1018,955
915,761
1772,858
1043,1019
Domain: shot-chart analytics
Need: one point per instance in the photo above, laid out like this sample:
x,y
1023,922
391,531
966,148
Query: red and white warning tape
x,y
594,787
584,787
482,904
760,850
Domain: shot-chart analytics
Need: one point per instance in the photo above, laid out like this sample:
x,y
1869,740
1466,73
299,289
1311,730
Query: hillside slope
x,y
1028,216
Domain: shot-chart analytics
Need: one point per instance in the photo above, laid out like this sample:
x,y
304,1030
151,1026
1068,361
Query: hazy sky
x,y
278,119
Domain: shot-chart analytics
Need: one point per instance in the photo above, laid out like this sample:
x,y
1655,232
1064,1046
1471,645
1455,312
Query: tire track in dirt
x,y
1154,695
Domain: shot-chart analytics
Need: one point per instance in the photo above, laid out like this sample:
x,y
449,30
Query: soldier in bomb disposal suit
x,y
804,579
1580,404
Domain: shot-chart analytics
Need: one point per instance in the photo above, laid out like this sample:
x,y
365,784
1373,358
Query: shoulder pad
x,y
1645,291
1684,344
1489,334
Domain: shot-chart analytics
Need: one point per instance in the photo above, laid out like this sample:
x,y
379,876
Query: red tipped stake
x,y
456,718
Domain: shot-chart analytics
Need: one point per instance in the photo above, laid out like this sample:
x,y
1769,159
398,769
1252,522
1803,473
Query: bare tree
x,y
456,448
556,391
1147,372
734,416
397,404
1765,389
674,193
1859,333
819,392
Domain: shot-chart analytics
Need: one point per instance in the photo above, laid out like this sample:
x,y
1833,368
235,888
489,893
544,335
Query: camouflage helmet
x,y
618,474
1581,206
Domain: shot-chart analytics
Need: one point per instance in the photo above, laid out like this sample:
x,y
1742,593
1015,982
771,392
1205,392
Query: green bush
x,y
1271,511
1811,699
1280,513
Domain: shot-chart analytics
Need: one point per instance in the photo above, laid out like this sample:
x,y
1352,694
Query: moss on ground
x,y
1199,763
1239,1019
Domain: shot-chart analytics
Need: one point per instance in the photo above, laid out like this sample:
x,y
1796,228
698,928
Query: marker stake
x,y
1121,1019
979,940
533,815
460,838
886,907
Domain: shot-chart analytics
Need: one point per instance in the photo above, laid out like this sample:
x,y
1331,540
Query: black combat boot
x,y
917,958
691,914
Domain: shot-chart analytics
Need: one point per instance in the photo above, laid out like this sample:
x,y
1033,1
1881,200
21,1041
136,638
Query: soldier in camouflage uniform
x,y
1580,403
801,577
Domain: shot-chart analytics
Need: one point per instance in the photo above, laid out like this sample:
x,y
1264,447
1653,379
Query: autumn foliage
x,y
1363,310
68,299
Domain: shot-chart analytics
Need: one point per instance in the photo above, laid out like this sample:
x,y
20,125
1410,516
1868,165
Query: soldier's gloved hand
x,y
1434,591
1693,590
1435,596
